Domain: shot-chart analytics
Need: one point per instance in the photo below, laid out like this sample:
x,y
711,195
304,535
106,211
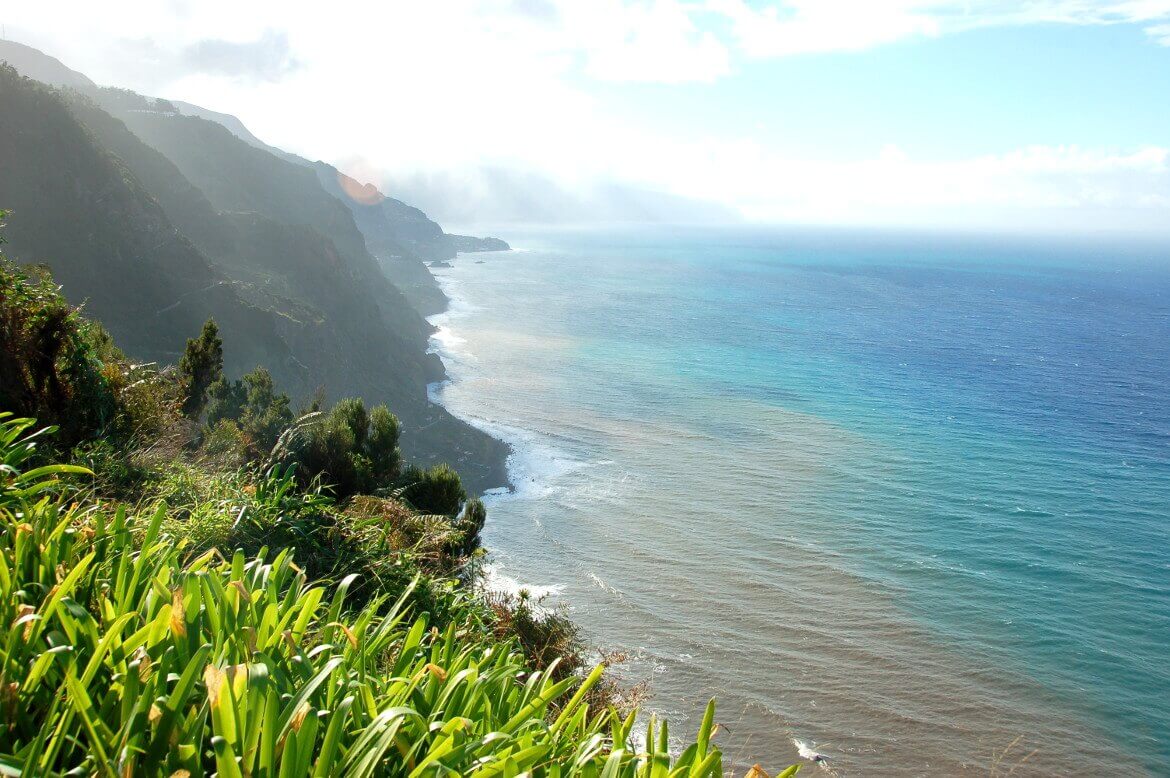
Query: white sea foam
x,y
535,463
494,580
808,752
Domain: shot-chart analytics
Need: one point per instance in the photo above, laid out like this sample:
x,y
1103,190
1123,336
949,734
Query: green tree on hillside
x,y
200,367
253,404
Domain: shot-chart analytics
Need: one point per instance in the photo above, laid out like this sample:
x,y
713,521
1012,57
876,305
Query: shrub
x,y
352,451
266,411
435,490
382,443
50,361
259,411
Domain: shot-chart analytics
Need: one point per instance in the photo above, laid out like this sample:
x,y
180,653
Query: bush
x,y
259,411
435,490
352,451
50,365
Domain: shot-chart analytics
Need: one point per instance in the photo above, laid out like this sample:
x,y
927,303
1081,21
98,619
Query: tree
x,y
200,367
266,412
225,401
352,413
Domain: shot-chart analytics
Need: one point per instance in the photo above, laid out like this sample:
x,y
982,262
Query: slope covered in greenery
x,y
124,229
109,243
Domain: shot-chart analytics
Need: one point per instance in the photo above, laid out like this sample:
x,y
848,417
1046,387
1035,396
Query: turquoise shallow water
x,y
903,497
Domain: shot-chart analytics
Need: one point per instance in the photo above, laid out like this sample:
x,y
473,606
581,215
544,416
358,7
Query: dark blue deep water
x,y
904,497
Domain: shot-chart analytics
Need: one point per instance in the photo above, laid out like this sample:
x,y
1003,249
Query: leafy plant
x,y
353,451
17,449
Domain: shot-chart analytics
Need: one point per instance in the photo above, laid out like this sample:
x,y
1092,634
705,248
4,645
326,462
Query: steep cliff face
x,y
79,211
386,221
274,258
402,237
395,233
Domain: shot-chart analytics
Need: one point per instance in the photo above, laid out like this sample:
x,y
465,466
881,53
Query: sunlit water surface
x,y
905,499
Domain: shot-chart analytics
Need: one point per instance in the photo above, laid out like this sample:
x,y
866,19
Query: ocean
x,y
900,498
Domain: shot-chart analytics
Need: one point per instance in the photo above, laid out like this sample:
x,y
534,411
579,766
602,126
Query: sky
x,y
1043,114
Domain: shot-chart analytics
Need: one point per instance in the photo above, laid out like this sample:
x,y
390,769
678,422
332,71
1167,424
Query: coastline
x,y
498,477
523,480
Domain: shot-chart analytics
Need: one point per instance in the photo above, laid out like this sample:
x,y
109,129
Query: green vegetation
x,y
129,654
200,367
185,598
352,450
251,409
435,490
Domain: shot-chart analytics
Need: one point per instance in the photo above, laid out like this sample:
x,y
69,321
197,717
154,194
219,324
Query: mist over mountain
x,y
502,195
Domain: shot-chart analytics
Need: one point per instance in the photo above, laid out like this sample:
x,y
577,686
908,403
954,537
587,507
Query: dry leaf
x,y
243,590
21,612
144,664
214,678
178,614
299,717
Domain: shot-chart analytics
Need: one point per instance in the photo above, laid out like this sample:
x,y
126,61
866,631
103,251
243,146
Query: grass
x,y
127,649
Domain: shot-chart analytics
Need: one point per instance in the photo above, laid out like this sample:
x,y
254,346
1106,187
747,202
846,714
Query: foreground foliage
x,y
123,654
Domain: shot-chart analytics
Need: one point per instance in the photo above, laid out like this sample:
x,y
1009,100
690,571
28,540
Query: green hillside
x,y
124,229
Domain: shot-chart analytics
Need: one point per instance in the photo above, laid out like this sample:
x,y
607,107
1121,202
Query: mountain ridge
x,y
258,243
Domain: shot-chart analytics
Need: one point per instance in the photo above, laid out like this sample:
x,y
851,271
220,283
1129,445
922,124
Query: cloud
x,y
430,89
792,27
267,58
656,41
895,187
1160,33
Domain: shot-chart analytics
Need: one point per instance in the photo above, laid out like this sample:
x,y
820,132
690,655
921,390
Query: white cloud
x,y
1160,33
894,187
789,27
444,87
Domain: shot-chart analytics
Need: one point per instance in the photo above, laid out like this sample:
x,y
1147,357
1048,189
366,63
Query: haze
x,y
990,115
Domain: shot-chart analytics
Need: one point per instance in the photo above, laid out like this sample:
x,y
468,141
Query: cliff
x,y
156,218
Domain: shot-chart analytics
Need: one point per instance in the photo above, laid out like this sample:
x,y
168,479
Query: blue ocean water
x,y
901,497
